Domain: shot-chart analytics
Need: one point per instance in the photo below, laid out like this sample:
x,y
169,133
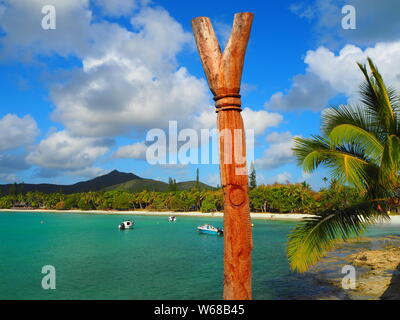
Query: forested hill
x,y
96,184
114,180
159,186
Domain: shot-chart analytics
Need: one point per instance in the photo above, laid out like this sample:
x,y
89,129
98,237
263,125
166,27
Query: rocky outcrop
x,y
377,264
382,280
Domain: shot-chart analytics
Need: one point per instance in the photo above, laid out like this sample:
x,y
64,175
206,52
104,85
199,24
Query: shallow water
x,y
156,260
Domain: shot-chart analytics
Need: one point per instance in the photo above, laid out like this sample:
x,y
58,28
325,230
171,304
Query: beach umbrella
x,y
224,73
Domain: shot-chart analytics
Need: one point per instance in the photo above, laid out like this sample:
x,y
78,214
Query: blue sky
x,y
78,101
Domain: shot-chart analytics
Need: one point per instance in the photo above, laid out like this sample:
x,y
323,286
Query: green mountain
x,y
110,179
187,185
114,180
154,185
140,185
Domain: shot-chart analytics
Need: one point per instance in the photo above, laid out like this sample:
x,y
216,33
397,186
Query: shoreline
x,y
261,216
376,261
395,219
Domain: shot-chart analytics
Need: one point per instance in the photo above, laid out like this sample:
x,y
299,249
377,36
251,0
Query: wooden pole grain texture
x,y
224,74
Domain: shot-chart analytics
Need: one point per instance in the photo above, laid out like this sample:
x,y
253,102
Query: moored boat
x,y
172,219
126,225
209,229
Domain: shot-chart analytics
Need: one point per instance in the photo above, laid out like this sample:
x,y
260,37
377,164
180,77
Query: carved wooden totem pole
x,y
224,74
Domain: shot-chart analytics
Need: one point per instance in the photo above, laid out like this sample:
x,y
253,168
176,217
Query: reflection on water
x,y
155,260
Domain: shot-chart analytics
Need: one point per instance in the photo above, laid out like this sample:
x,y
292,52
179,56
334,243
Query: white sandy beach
x,y
263,216
268,216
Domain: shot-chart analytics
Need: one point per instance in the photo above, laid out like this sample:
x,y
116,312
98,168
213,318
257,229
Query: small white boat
x,y
209,229
126,225
172,219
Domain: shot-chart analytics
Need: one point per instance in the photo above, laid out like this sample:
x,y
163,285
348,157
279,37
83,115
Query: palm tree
x,y
361,146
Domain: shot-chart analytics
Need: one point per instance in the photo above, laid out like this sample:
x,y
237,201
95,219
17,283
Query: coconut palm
x,y
360,145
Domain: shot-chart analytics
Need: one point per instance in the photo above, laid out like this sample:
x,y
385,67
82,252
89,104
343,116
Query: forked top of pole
x,y
223,69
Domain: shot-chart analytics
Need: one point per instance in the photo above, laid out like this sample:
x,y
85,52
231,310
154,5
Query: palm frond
x,y
369,91
383,94
390,164
355,115
310,152
311,240
350,134
379,100
347,162
347,168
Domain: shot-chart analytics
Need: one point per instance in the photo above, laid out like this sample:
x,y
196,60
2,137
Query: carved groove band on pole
x,y
224,74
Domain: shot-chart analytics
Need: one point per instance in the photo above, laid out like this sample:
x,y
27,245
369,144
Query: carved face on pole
x,y
224,74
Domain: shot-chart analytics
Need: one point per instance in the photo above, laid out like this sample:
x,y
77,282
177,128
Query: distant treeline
x,y
278,198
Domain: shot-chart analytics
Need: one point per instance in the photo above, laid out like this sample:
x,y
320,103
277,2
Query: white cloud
x,y
130,80
277,137
178,166
213,180
207,119
303,10
283,177
223,32
135,85
71,35
90,172
77,32
9,177
341,71
305,176
11,162
278,153
377,20
117,8
247,87
258,121
16,132
307,92
133,151
107,103
328,75
62,151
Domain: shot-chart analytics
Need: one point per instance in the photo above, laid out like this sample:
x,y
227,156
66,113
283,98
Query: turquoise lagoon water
x,y
156,260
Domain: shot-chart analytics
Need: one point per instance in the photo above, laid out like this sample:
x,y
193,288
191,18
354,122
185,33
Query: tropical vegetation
x,y
360,144
276,198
